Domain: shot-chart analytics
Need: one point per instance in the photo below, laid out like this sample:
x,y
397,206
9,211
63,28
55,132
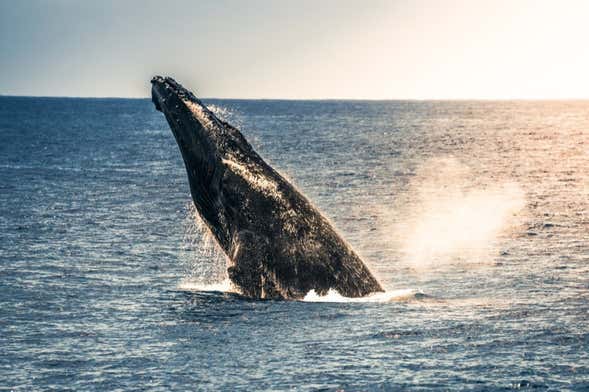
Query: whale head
x,y
208,145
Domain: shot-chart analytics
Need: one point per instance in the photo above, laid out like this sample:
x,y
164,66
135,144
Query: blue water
x,y
479,210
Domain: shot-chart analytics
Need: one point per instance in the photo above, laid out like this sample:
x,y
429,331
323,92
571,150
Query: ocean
x,y
473,214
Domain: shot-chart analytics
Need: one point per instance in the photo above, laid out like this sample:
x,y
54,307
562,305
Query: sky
x,y
364,49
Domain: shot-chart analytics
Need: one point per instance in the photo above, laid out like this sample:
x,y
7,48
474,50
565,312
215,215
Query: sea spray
x,y
455,216
204,261
333,296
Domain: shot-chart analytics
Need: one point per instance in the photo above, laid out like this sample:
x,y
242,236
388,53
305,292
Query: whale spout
x,y
278,244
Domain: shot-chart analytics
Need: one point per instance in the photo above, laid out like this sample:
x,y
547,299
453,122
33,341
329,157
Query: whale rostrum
x,y
278,244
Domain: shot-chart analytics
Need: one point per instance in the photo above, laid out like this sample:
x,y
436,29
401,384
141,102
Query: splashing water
x,y
455,219
387,296
224,113
224,286
205,263
206,268
459,218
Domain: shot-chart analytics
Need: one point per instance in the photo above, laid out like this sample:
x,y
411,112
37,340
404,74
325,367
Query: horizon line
x,y
301,99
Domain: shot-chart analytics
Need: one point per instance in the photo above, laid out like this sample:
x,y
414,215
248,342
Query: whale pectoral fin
x,y
246,274
249,270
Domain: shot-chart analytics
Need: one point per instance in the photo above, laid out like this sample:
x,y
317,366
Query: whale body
x,y
278,244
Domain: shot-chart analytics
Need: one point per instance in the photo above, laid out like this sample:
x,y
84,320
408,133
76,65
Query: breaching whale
x,y
278,244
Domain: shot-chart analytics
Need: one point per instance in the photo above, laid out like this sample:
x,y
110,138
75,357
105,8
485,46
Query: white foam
x,y
191,285
387,296
332,296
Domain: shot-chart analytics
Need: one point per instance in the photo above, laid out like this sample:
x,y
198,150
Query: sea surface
x,y
473,214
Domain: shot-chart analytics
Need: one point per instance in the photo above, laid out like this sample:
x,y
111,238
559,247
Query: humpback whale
x,y
278,244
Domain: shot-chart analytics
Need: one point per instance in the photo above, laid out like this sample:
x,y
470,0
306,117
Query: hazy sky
x,y
412,49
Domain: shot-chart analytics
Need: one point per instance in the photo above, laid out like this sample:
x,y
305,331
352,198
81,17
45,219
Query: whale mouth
x,y
155,101
156,82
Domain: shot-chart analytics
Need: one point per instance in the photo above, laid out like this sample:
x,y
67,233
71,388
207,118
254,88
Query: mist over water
x,y
457,216
474,216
